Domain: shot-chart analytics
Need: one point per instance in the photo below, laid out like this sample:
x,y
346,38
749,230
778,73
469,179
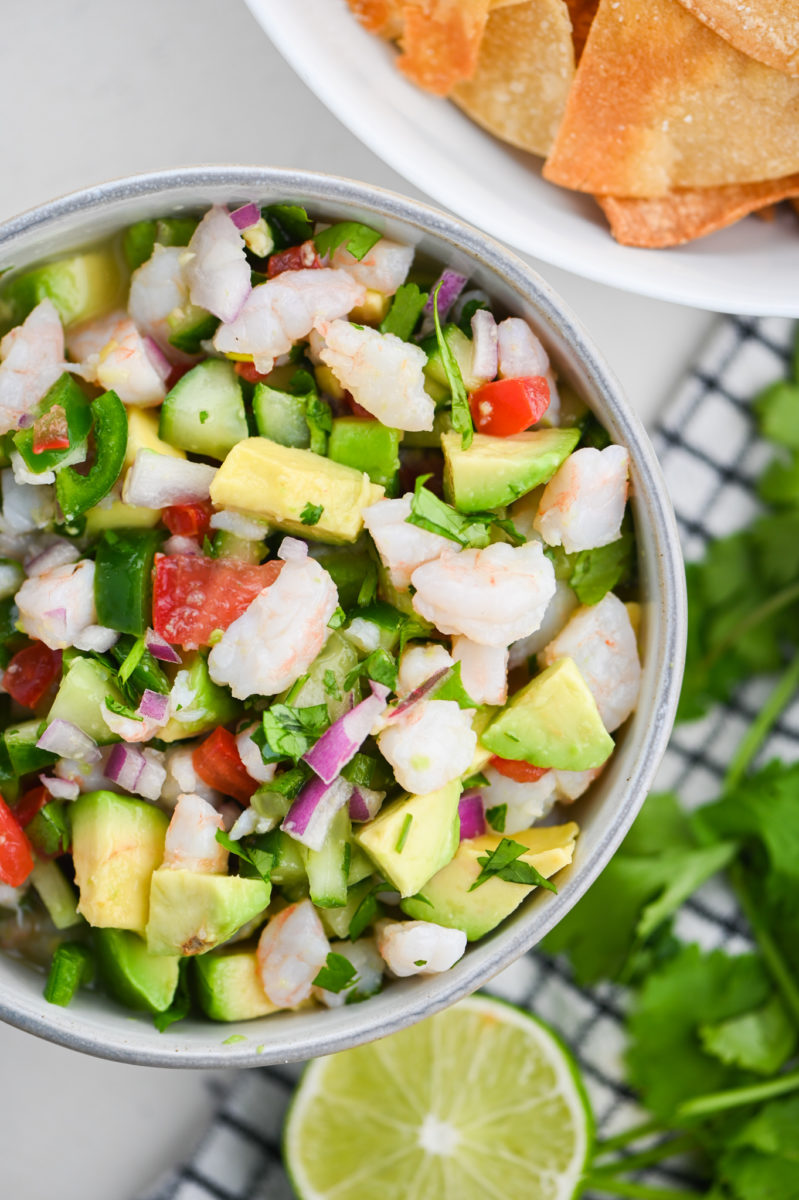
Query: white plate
x,y
752,267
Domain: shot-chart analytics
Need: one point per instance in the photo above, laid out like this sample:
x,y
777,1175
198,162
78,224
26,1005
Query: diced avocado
x,y
411,839
552,722
446,899
461,347
143,435
368,446
372,310
426,439
326,675
191,913
56,893
482,755
132,975
495,471
277,482
229,986
81,286
189,326
117,843
280,416
25,756
117,515
204,412
203,703
85,685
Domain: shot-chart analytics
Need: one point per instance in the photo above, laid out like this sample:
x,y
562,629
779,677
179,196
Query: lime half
x,y
479,1102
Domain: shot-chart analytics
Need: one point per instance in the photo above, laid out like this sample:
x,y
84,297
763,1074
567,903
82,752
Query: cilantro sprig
x,y
461,413
468,530
259,862
337,975
288,731
353,235
503,863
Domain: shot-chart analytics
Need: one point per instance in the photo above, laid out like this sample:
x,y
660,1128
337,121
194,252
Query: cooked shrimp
x,y
191,843
382,373
419,947
291,952
418,663
484,670
114,354
159,288
429,744
369,967
383,268
601,640
571,784
250,755
519,350
526,802
402,547
583,504
181,775
493,596
216,266
285,309
90,777
129,728
33,359
558,611
277,638
58,609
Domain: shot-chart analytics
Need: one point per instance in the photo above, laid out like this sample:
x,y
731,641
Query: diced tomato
x,y
246,370
509,406
16,856
355,408
295,258
50,431
31,673
188,520
177,372
217,762
193,595
522,772
30,803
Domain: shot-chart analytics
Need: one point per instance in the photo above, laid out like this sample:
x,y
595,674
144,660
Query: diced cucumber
x,y
361,866
368,446
461,347
22,750
289,866
204,412
230,545
189,326
281,416
337,920
328,868
56,894
84,687
326,675
48,832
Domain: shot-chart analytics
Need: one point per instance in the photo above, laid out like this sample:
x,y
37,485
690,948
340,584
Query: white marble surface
x,y
100,88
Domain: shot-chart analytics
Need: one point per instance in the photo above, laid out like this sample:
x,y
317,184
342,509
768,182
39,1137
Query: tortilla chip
x,y
524,71
767,30
383,17
441,41
661,102
582,13
684,215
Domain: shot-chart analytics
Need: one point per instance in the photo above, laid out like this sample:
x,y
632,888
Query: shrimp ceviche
x,y
316,608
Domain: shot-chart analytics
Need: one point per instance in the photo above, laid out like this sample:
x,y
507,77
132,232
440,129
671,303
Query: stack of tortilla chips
x,y
679,116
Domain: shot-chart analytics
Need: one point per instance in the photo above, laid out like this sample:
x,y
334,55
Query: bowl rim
x,y
397,1007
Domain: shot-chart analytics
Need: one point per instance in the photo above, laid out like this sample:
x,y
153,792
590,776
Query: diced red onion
x,y
521,354
157,357
125,765
68,741
472,815
60,789
57,554
25,421
153,705
452,284
245,216
419,693
484,345
159,648
365,803
153,775
341,742
308,820
292,549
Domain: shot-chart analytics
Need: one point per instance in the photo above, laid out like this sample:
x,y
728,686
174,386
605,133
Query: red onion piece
x,y
472,815
125,765
245,216
308,820
452,284
25,421
365,803
152,777
419,693
68,741
157,357
484,345
60,789
341,742
159,648
153,705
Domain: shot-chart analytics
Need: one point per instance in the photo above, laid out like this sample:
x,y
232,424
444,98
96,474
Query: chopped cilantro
x,y
379,665
360,769
354,236
131,660
474,781
497,816
503,863
337,974
461,414
367,911
330,684
451,688
435,515
290,731
319,419
289,223
405,311
338,619
203,415
121,710
420,962
311,513
403,837
259,861
596,572
368,589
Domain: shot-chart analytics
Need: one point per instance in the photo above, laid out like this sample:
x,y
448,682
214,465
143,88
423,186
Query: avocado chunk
x,y
133,976
203,703
552,722
495,471
117,843
446,899
368,446
278,482
80,286
229,986
191,913
411,839
85,685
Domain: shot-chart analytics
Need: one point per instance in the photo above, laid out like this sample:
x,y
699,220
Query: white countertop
x,y
99,88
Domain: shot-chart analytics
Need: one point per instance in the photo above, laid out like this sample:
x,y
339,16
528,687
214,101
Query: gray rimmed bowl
x,y
95,1024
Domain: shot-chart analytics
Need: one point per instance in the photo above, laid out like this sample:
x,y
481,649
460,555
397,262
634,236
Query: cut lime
x,y
481,1102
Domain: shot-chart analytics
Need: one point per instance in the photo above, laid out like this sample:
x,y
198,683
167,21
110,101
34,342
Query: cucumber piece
x,y
204,412
288,867
189,327
138,240
328,868
24,754
361,866
336,921
48,832
326,674
281,416
229,545
347,567
56,894
428,439
84,687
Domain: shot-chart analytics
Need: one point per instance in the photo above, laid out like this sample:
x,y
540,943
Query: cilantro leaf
x,y
259,860
435,515
368,589
360,769
338,619
367,911
597,572
451,688
497,816
319,419
337,975
379,665
330,684
121,710
761,1160
290,731
311,513
405,311
503,863
180,1007
761,1040
131,660
354,236
461,413
289,223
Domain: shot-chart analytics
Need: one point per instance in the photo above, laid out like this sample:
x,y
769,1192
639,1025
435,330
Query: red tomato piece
x,y
30,803
193,595
16,856
509,406
355,408
188,520
295,258
50,431
31,673
217,762
246,370
522,772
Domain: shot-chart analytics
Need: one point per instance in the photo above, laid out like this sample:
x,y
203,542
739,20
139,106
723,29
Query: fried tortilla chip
x,y
524,71
684,215
767,30
441,41
383,17
582,13
661,102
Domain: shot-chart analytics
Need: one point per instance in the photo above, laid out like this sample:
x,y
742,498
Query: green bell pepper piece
x,y
69,396
123,584
77,493
48,832
23,753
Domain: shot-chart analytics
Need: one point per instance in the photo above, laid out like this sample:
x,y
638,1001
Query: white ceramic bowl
x,y
749,268
92,1022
